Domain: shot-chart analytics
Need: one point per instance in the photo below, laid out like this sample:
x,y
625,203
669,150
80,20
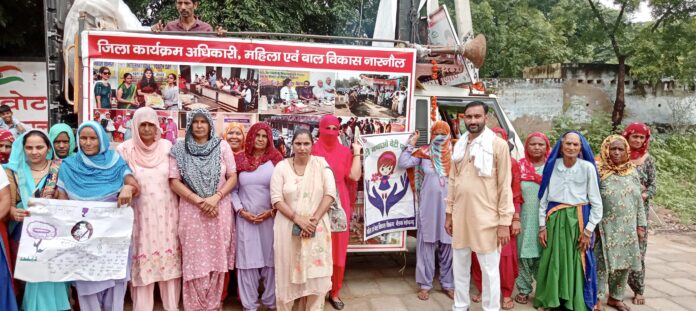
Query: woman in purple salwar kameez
x,y
97,173
251,200
432,165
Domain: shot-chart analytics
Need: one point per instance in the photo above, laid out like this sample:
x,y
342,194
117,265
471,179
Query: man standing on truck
x,y
479,206
10,123
187,20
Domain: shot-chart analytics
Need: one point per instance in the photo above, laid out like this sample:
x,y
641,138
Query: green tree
x,y
22,35
319,17
618,30
666,51
518,35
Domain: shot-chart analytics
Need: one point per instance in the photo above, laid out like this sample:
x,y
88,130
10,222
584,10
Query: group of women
x,y
555,191
212,203
203,206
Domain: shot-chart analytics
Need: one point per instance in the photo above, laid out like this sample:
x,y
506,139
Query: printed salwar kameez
x,y
617,248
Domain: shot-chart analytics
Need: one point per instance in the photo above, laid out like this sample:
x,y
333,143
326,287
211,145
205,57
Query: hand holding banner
x,y
66,240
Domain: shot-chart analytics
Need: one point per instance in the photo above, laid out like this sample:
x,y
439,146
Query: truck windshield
x,y
452,111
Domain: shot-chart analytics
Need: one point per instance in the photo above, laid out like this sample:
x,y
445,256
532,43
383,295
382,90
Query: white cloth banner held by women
x,y
389,200
67,240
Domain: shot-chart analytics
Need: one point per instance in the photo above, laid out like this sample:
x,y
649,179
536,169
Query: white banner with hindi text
x,y
67,240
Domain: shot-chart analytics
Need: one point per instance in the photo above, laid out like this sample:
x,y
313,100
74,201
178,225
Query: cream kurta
x,y
480,204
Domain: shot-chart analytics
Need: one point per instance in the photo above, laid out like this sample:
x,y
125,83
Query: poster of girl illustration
x,y
383,193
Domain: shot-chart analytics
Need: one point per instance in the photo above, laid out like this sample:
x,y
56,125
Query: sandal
x,y
522,299
618,305
338,305
508,303
423,294
449,293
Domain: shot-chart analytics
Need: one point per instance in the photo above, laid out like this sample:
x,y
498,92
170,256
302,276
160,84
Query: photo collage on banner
x,y
374,95
289,86
297,92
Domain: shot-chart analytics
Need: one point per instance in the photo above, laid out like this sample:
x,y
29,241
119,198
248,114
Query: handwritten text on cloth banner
x,y
67,240
389,199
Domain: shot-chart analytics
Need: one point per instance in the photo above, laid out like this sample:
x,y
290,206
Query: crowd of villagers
x,y
215,202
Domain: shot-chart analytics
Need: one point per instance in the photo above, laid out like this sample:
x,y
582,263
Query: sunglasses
x,y
106,73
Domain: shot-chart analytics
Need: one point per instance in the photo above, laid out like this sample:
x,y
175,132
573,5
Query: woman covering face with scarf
x,y
638,137
347,169
432,165
202,172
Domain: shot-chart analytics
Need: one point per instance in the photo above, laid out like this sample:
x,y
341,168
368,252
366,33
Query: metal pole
x,y
257,34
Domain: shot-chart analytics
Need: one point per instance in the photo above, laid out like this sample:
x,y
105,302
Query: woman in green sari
x,y
623,223
125,95
33,173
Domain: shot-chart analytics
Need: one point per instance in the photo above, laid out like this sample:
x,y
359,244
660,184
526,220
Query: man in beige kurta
x,y
479,207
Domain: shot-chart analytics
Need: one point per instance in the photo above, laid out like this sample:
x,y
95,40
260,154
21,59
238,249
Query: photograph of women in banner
x,y
134,85
222,122
353,127
219,89
360,94
284,126
118,124
297,92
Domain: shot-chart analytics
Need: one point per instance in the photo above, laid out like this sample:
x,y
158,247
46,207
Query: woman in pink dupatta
x,y
347,169
156,251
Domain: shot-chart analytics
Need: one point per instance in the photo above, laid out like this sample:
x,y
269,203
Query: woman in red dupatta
x,y
509,268
638,136
536,149
347,169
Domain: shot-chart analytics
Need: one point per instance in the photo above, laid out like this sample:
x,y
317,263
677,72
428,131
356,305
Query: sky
x,y
641,15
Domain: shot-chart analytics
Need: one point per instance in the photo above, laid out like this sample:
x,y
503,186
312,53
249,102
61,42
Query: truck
x,y
399,87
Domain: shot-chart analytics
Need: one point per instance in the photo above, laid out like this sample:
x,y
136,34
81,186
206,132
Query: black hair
x,y
476,103
144,81
102,68
300,132
5,108
171,74
286,81
125,75
40,134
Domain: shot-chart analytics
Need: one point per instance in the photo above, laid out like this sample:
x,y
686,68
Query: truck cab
x,y
451,102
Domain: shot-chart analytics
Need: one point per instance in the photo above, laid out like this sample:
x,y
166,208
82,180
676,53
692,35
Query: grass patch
x,y
675,158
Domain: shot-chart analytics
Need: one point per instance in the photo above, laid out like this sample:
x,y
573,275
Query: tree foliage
x,y
21,33
319,17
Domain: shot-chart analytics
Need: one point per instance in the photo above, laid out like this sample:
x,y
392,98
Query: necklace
x,y
294,170
43,169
